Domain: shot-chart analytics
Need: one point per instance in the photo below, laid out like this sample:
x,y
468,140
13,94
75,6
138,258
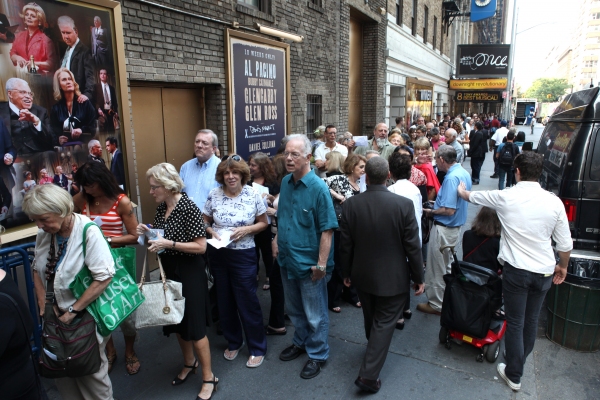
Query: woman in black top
x,y
262,173
184,242
481,244
18,380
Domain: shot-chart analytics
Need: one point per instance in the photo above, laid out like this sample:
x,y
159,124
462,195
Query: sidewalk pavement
x,y
417,366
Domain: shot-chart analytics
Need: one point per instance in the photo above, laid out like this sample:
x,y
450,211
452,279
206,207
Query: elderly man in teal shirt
x,y
303,247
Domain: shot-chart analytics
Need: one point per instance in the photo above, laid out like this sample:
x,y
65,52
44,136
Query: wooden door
x,y
355,78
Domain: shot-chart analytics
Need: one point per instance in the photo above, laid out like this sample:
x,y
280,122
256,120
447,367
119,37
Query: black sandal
x,y
214,382
178,381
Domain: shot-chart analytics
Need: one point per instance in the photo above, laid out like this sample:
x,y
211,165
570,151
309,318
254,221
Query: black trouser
x,y
495,160
476,163
524,293
336,287
262,244
276,320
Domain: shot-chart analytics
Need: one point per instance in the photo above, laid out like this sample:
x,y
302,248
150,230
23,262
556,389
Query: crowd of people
x,y
314,213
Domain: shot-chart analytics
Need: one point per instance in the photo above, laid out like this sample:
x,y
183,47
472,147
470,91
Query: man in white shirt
x,y
330,145
495,141
531,219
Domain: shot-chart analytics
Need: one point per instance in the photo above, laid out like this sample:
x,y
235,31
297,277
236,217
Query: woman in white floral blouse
x,y
237,210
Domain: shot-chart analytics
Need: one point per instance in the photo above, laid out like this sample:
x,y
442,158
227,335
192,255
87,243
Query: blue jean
x,y
524,293
235,279
502,174
306,303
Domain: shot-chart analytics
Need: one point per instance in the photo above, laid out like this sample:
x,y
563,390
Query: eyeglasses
x,y
294,155
153,188
23,92
234,157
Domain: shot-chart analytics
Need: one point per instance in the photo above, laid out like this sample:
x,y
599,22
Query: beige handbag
x,y
164,303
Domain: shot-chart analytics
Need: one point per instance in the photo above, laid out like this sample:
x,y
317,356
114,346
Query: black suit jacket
x,y
82,67
477,144
379,232
27,139
117,167
99,98
61,180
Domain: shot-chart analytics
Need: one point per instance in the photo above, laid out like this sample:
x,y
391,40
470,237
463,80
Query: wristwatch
x,y
321,268
72,310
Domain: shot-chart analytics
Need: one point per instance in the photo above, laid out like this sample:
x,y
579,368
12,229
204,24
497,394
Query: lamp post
x,y
513,33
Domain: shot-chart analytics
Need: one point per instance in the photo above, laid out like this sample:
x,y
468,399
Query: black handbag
x,y
337,207
68,350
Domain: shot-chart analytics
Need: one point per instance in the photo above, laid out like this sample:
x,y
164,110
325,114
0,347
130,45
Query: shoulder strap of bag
x,y
478,246
41,391
85,228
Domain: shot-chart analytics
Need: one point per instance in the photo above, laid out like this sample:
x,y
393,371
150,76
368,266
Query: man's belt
x,y
438,223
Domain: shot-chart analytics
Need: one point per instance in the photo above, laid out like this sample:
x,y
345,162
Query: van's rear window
x,y
574,105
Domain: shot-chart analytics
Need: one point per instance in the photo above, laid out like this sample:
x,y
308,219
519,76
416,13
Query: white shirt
x,y
406,188
500,134
322,150
69,53
531,218
16,110
106,89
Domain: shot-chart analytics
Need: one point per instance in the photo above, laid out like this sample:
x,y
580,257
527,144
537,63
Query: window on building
x,y
591,63
260,5
414,17
596,16
314,112
425,24
399,11
442,38
317,2
434,32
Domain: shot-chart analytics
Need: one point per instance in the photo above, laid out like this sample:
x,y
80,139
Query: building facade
x,y
418,66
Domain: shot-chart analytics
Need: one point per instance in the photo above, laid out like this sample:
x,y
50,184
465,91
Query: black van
x,y
571,147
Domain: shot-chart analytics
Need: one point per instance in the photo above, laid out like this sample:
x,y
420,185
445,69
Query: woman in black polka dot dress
x,y
184,242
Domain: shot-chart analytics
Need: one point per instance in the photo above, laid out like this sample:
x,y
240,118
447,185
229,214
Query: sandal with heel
x,y
214,382
178,381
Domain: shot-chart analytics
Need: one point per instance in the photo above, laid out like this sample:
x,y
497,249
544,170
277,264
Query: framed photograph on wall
x,y
62,70
259,96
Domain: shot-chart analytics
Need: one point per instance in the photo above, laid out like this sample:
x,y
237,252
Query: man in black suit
x,y
380,253
117,166
106,103
77,58
27,123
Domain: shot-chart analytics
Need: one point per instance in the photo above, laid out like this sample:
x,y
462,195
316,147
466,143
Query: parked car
x,y
571,147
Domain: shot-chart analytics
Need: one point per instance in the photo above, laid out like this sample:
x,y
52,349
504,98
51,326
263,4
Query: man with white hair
x,y
451,136
95,149
27,123
303,247
77,58
101,44
380,142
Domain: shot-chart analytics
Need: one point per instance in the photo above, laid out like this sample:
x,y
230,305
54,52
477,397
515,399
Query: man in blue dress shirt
x,y
303,247
198,174
449,215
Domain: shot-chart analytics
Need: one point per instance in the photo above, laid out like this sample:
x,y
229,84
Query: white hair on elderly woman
x,y
166,175
304,139
48,199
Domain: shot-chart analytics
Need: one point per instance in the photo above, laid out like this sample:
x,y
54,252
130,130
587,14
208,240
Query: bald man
x,y
379,143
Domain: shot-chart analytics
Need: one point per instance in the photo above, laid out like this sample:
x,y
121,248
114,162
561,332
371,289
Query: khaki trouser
x,y
90,387
439,263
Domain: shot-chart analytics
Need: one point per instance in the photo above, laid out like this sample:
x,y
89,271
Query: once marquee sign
x,y
483,60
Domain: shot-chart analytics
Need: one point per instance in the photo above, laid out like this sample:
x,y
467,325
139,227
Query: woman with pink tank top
x,y
101,197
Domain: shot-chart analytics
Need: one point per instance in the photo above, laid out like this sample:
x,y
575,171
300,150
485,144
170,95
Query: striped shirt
x,y
199,179
112,224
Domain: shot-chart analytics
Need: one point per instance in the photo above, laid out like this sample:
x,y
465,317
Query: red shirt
x,y
39,46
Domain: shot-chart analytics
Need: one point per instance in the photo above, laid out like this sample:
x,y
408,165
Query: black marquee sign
x,y
485,60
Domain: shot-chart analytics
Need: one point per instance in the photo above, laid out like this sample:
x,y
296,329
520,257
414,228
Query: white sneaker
x,y
511,384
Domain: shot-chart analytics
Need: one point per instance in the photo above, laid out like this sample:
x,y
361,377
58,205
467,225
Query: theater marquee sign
x,y
259,95
479,97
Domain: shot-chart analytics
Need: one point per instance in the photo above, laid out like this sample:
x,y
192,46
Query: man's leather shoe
x,y
291,353
427,309
368,385
494,176
311,369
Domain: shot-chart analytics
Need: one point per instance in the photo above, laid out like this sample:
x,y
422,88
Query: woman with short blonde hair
x,y
167,176
334,160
